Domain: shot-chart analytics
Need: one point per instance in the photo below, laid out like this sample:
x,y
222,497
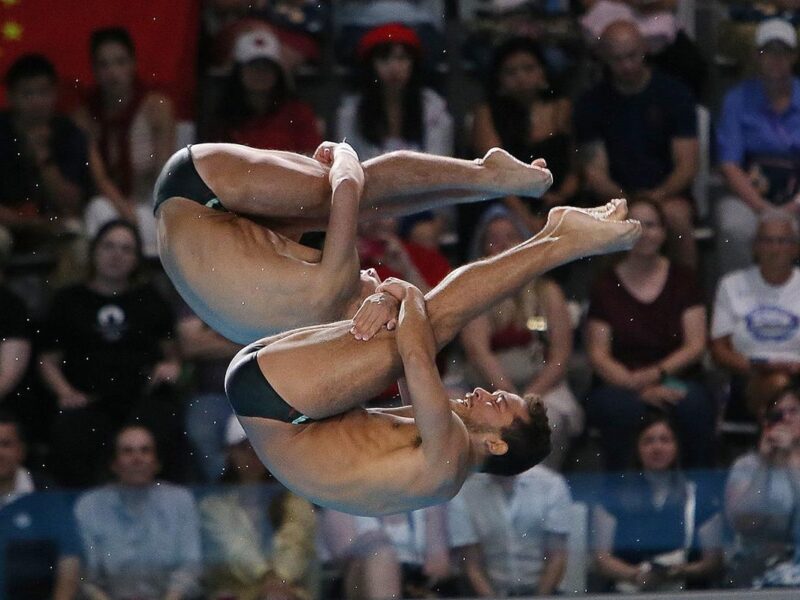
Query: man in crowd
x,y
511,532
44,177
637,135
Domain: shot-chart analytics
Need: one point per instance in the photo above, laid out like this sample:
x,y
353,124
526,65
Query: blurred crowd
x,y
670,373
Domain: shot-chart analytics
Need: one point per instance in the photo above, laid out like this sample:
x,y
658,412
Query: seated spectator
x,y
645,337
414,549
654,529
762,494
258,107
668,46
107,349
392,110
38,539
258,538
510,533
141,536
207,408
366,562
132,133
44,180
755,332
524,116
758,143
637,134
524,344
15,342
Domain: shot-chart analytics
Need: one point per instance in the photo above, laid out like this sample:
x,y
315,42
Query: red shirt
x,y
644,333
293,127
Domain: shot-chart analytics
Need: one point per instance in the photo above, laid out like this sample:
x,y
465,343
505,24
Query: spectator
x,y
637,135
366,560
525,117
758,143
646,335
132,133
38,540
392,109
107,346
258,107
141,537
655,529
762,494
755,332
524,344
259,538
511,533
15,341
44,180
413,547
207,409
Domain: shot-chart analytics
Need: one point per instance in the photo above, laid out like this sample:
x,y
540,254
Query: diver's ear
x,y
495,445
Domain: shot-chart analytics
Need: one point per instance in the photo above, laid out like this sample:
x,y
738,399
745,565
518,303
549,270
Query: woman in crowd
x,y
754,332
132,133
392,110
107,355
762,495
259,538
524,344
654,529
523,115
645,337
257,106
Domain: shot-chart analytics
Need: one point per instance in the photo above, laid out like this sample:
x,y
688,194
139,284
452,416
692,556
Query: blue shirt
x,y
749,127
36,530
140,543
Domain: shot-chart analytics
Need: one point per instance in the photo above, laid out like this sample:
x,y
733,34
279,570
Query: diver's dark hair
x,y
528,443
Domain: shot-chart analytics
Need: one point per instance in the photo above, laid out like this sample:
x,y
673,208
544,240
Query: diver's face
x,y
484,411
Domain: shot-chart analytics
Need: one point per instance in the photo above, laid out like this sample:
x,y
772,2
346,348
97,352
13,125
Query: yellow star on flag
x,y
12,30
10,2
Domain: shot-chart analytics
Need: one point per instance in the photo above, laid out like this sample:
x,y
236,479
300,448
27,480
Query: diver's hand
x,y
378,310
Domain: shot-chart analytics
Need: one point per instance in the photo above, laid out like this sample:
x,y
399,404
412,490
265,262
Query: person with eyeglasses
x,y
762,494
755,330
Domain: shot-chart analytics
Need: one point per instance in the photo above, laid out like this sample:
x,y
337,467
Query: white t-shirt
x,y
511,530
762,320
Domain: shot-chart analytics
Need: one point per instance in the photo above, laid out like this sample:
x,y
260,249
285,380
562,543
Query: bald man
x,y
637,135
229,218
298,394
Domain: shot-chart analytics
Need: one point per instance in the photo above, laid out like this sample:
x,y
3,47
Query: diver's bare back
x,y
365,462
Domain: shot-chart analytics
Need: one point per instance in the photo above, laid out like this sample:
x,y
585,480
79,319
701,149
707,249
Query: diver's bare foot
x,y
512,176
587,232
614,210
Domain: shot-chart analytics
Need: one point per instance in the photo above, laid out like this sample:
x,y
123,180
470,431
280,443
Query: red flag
x,y
165,33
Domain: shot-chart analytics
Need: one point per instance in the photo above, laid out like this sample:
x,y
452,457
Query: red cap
x,y
394,33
